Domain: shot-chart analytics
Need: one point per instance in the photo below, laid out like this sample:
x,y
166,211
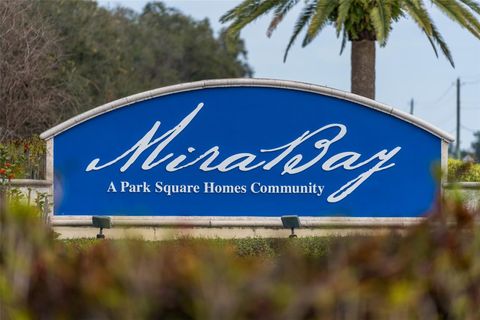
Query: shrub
x,y
9,166
22,159
243,247
459,171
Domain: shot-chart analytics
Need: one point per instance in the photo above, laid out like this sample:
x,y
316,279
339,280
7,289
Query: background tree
x,y
363,22
115,53
60,58
186,49
29,57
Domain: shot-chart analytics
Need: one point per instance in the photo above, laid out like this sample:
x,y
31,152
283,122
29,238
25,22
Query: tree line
x,y
60,58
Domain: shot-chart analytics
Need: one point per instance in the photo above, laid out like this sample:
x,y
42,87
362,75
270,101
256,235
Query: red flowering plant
x,y
22,159
9,168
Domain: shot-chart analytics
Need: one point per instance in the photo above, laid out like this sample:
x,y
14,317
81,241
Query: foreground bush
x,y
432,271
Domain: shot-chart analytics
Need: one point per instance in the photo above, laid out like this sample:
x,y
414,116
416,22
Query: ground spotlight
x,y
102,223
291,222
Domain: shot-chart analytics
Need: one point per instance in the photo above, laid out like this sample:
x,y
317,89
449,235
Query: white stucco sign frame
x,y
216,221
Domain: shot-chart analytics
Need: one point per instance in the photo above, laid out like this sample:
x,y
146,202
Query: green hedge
x,y
429,272
459,171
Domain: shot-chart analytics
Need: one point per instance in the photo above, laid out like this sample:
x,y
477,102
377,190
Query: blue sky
x,y
406,68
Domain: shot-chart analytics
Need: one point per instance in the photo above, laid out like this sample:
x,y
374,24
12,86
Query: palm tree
x,y
363,22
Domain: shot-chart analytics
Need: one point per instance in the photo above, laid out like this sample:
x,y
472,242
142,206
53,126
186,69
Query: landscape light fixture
x,y
291,222
102,223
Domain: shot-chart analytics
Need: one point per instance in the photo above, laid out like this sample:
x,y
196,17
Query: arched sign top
x,y
266,83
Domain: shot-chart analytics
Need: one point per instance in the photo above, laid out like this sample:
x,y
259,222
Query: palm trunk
x,y
363,68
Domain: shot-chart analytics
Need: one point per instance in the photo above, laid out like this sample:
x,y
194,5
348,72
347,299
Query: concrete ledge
x,y
30,183
462,185
239,222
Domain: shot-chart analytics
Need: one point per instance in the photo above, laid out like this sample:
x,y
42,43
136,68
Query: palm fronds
x,y
246,12
381,16
302,21
356,19
280,12
320,19
460,14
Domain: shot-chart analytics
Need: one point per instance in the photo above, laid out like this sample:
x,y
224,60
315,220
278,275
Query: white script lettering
x,y
293,161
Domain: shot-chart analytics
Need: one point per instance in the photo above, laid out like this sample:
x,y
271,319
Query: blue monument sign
x,y
245,148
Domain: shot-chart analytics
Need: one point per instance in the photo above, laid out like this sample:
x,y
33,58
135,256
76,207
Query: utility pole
x,y
457,150
411,106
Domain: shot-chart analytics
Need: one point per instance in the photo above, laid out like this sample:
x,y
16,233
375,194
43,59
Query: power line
x,y
446,120
472,76
469,129
471,82
442,96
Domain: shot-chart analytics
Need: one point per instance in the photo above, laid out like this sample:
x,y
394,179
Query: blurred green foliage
x,y
429,271
459,171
